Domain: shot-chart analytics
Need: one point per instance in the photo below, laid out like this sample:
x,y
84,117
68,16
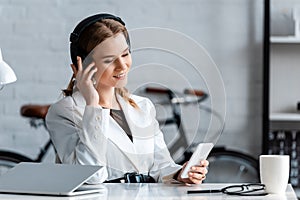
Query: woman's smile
x,y
120,76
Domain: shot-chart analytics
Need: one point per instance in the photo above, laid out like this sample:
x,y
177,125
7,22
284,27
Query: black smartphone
x,y
88,60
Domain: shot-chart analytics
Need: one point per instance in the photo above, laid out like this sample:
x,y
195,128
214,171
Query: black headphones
x,y
75,50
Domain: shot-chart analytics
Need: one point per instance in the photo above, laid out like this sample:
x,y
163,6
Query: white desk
x,y
157,191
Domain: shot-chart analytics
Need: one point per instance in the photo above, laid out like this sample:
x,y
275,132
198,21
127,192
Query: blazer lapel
x,y
141,125
118,136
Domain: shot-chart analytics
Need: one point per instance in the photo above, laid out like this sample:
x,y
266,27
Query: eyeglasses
x,y
254,189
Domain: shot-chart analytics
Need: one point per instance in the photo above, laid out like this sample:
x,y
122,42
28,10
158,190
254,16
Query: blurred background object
x,y
7,75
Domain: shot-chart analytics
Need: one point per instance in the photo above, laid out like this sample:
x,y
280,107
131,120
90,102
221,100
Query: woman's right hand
x,y
85,84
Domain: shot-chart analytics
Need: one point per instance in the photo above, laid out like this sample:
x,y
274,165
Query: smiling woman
x,y
99,122
113,61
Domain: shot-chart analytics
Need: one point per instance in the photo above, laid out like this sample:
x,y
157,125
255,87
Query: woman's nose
x,y
121,64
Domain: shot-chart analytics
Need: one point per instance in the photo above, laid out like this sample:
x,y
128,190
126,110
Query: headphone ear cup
x,y
76,51
74,54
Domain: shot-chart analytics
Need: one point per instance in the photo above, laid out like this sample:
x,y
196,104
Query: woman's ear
x,y
74,69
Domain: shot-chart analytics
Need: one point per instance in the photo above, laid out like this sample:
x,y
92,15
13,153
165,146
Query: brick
x,y
9,12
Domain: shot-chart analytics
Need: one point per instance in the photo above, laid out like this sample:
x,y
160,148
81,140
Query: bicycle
x,y
175,100
36,114
225,165
231,166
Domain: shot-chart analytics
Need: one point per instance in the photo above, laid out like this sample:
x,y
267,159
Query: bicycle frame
x,y
175,103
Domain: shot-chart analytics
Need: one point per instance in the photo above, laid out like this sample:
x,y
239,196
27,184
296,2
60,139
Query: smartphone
x,y
201,153
88,60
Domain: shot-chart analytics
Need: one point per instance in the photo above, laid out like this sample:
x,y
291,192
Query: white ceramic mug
x,y
274,172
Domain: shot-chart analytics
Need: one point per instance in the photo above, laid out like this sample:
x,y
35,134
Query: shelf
x,y
285,117
284,121
285,39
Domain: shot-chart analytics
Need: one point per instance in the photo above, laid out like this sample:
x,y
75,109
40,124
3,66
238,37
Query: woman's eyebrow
x,y
125,49
109,56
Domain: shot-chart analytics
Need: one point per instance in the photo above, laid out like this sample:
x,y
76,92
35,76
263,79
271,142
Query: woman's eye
x,y
126,54
107,61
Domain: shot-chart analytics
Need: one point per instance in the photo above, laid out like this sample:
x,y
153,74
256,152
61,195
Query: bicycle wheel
x,y
227,166
10,159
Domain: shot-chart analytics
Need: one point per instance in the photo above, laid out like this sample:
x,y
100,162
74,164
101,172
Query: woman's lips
x,y
120,76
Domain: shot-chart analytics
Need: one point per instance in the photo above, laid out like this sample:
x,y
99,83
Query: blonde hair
x,y
93,36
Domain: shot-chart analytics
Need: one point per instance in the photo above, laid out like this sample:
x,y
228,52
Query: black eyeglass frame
x,y
244,190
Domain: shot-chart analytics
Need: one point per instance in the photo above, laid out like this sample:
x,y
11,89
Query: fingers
x,y
79,63
196,178
87,73
90,75
199,169
198,172
204,163
80,67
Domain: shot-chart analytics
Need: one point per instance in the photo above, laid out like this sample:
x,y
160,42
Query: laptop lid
x,y
48,179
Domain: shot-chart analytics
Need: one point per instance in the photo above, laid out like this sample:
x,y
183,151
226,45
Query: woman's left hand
x,y
196,174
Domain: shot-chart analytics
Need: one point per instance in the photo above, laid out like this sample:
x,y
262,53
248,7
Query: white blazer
x,y
89,135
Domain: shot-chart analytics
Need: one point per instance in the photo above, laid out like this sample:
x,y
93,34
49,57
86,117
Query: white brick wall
x,y
34,40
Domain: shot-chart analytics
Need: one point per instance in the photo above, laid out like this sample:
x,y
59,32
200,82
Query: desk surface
x,y
157,191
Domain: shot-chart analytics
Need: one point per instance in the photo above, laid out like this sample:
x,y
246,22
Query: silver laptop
x,y
48,179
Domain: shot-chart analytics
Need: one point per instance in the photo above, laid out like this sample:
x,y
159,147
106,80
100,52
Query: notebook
x,y
48,179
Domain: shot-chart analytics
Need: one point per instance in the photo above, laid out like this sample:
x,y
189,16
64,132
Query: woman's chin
x,y
121,83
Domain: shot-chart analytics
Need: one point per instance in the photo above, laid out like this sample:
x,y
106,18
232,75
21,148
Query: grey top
x,y
119,117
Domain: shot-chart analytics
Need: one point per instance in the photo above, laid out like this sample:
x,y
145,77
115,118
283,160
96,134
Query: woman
x,y
99,123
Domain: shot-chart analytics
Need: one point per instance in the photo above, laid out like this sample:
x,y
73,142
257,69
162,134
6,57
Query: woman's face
x,y
113,61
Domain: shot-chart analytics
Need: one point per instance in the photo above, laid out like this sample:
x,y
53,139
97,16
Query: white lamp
x,y
7,75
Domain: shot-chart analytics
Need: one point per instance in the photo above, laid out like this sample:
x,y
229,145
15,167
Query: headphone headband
x,y
90,20
75,50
